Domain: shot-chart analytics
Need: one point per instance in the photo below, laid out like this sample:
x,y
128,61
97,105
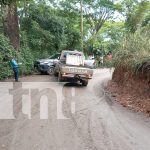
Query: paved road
x,y
94,121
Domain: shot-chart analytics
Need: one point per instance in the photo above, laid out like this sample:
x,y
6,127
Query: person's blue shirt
x,y
14,63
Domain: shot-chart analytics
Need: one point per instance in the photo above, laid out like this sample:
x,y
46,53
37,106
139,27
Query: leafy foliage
x,y
110,35
48,26
136,15
7,52
27,61
48,30
133,52
44,32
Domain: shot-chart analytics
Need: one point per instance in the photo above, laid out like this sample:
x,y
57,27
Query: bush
x,y
24,56
26,59
6,51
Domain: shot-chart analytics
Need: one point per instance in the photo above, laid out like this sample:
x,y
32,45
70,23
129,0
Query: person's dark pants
x,y
16,73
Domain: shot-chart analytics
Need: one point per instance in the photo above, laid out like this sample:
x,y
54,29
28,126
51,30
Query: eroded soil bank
x,y
132,92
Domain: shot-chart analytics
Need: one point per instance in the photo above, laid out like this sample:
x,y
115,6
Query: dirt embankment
x,y
132,90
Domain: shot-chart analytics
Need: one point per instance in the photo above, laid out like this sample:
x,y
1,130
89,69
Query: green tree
x,y
98,12
136,14
72,33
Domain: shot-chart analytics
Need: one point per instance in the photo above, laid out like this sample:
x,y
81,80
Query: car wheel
x,y
50,70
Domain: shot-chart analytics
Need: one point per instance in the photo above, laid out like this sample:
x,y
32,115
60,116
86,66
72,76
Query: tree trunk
x,y
10,23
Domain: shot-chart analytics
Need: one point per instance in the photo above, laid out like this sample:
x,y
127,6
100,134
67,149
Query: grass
x,y
133,53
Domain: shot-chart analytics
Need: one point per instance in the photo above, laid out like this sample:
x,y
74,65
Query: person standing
x,y
101,61
15,68
109,56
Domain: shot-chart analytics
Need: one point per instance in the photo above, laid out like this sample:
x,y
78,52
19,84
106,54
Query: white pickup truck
x,y
71,68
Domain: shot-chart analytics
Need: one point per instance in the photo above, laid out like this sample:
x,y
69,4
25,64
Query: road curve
x,y
94,121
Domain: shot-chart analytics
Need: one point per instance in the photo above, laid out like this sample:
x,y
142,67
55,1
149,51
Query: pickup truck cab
x,y
71,68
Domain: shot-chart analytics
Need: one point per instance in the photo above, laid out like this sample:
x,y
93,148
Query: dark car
x,y
47,65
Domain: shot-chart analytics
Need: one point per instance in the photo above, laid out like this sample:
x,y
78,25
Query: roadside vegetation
x,y
132,57
133,51
33,29
132,54
131,78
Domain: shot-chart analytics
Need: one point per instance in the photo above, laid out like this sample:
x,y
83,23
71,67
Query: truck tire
x,y
50,70
84,82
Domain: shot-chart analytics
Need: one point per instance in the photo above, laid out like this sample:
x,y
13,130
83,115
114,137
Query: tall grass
x,y
133,52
